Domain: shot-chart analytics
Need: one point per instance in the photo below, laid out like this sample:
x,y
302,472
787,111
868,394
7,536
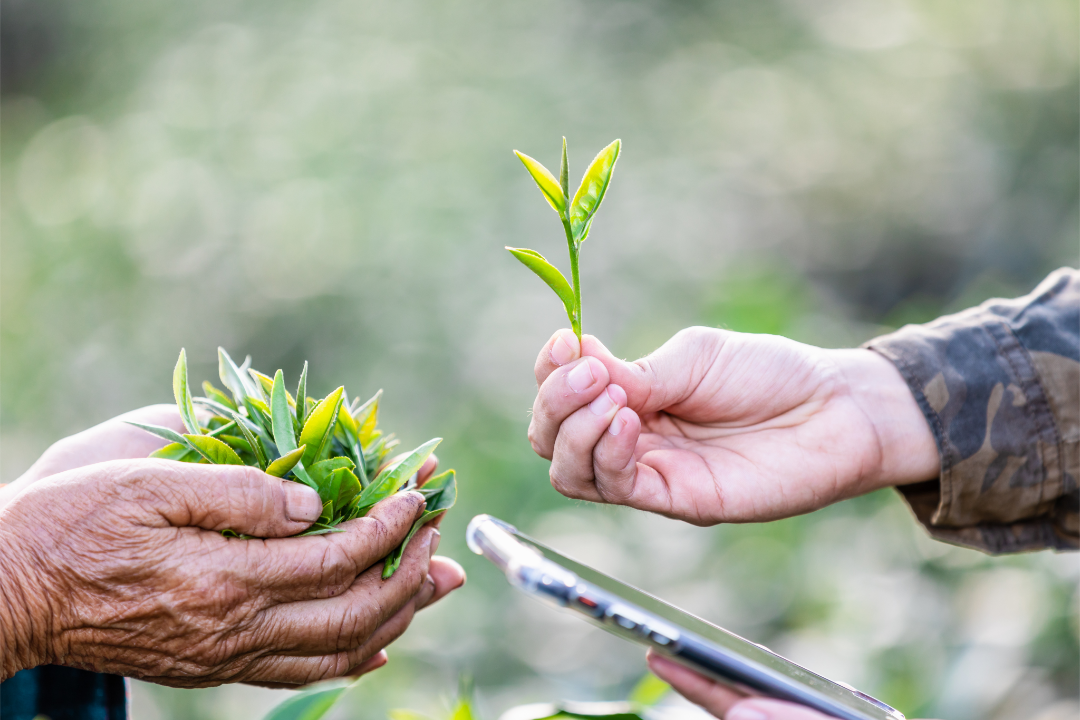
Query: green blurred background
x,y
332,180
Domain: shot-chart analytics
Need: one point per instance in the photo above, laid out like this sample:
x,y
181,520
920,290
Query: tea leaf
x,y
545,181
366,417
549,274
319,426
259,412
281,418
236,443
390,480
162,432
214,450
320,529
256,446
591,191
441,494
320,471
301,397
182,393
181,452
281,467
217,396
564,171
310,704
265,383
234,378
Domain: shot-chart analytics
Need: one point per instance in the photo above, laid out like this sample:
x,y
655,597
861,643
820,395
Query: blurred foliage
x,y
332,180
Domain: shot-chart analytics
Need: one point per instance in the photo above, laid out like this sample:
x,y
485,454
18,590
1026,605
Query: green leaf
x,y
390,480
237,443
256,445
320,529
320,425
367,417
264,383
301,397
348,487
320,471
649,690
310,704
441,494
564,171
591,191
549,274
235,379
463,710
281,418
214,450
285,463
162,432
182,393
259,412
217,396
181,452
546,182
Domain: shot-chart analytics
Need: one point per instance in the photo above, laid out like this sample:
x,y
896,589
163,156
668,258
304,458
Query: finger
x,y
374,662
572,459
614,463
215,497
309,568
698,689
563,348
447,576
762,709
427,470
565,391
346,622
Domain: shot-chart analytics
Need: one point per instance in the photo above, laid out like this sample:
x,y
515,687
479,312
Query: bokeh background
x,y
332,180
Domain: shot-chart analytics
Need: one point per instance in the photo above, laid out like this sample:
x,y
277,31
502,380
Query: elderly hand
x,y
118,567
721,701
719,426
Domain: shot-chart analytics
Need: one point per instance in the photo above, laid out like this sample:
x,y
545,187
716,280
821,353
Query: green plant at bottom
x,y
331,444
577,218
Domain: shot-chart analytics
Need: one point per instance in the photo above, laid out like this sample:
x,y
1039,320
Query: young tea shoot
x,y
576,216
332,445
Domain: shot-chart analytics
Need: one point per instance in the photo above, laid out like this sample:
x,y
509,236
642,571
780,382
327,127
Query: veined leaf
x,y
217,396
162,432
546,182
281,418
235,379
182,393
285,463
310,704
256,445
237,443
321,470
181,452
214,450
320,425
590,193
564,171
549,274
301,397
390,480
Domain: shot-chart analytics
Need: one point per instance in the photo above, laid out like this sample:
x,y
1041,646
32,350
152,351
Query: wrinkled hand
x,y
118,567
722,701
718,426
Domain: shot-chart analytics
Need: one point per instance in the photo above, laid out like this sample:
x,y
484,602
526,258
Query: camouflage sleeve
x,y
1000,386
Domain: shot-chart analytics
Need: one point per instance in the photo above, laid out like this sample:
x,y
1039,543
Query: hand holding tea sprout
x,y
719,426
115,564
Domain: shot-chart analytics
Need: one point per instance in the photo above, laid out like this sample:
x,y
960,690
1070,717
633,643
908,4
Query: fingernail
x,y
302,504
741,712
603,404
434,545
617,424
426,593
561,353
581,377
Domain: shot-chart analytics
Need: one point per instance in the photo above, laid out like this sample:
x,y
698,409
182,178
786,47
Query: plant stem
x,y
575,321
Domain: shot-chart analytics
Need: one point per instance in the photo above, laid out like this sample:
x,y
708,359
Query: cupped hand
x,y
722,701
119,567
718,426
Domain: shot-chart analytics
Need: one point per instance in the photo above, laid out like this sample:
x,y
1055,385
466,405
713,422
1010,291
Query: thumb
x,y
226,497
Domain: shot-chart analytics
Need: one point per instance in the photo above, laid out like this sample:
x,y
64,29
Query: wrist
x,y
908,452
25,623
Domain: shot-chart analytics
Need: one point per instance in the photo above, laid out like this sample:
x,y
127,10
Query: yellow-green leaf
x,y
590,193
545,181
320,425
214,450
549,274
367,417
280,416
285,463
180,452
182,393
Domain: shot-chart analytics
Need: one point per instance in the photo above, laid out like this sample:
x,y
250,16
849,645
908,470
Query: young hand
x,y
718,426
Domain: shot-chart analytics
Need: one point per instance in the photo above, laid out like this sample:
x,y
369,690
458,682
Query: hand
x,y
719,426
111,440
118,567
721,701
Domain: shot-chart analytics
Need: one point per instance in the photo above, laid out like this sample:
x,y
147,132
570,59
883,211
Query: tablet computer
x,y
639,617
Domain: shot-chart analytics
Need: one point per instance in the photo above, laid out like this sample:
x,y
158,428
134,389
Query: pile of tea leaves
x,y
333,444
